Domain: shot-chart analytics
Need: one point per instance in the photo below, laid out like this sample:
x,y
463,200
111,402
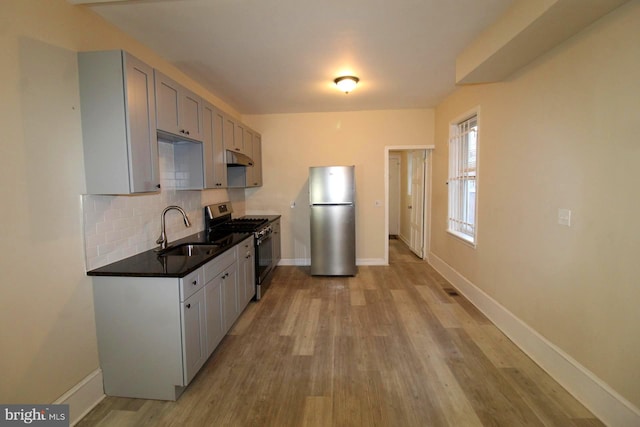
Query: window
x,y
463,151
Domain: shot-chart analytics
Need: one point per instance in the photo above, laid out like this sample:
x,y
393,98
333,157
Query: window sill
x,y
463,238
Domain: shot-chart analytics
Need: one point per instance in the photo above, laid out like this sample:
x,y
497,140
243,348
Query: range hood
x,y
238,159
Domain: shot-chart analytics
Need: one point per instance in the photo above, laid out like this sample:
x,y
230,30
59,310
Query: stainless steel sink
x,y
190,249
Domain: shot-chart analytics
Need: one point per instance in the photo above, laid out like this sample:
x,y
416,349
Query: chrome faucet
x,y
162,240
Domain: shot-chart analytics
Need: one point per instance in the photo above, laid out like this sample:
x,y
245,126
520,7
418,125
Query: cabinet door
x,y
254,172
190,115
118,123
207,146
247,142
230,295
193,334
215,166
167,103
143,144
249,271
228,134
214,314
238,143
246,271
277,243
219,153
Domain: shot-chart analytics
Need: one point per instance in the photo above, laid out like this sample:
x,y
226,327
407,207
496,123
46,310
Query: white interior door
x,y
394,194
416,206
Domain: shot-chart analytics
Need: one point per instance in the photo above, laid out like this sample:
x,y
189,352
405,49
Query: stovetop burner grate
x,y
242,224
218,220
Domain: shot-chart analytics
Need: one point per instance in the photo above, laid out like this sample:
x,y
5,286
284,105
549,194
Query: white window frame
x,y
461,222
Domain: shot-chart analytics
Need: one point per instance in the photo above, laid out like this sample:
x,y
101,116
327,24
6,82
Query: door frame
x,y
426,195
397,225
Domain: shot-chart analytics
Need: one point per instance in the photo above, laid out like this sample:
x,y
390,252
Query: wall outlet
x,y
564,217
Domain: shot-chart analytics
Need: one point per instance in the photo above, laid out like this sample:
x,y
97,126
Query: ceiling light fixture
x,y
346,83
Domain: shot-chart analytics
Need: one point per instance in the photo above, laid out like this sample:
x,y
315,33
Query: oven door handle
x,y
261,239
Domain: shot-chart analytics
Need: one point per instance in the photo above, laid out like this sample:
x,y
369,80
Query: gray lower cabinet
x,y
247,270
118,123
230,295
221,296
194,335
155,333
277,242
215,321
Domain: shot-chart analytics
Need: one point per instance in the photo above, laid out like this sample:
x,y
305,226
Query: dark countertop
x,y
270,218
150,264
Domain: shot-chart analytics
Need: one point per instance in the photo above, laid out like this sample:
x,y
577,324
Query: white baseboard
x,y
591,391
371,261
83,397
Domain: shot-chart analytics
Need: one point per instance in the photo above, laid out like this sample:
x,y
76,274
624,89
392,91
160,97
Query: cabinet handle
x,y
225,275
188,305
237,149
195,282
187,132
157,185
248,256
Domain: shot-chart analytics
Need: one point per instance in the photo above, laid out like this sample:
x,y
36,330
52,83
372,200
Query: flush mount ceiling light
x,y
346,83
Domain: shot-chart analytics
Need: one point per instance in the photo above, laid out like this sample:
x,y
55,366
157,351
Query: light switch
x,y
293,204
564,217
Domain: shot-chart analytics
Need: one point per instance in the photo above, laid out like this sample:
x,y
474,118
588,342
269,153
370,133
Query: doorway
x,y
407,184
416,160
395,193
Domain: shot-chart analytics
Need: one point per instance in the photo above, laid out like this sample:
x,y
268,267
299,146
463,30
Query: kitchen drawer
x,y
190,284
218,264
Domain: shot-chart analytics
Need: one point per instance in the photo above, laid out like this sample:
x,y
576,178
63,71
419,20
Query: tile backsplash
x,y
116,227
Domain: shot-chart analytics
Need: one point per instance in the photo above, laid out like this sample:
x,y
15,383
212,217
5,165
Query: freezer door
x,y
333,240
331,185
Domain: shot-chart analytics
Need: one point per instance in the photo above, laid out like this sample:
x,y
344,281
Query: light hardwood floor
x,y
393,346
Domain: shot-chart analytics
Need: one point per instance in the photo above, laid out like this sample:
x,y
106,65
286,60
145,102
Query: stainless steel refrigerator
x,y
333,220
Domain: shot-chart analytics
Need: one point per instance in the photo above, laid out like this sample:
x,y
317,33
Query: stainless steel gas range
x,y
218,223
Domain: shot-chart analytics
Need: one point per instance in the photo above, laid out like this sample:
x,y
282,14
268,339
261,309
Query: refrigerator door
x,y
331,185
333,240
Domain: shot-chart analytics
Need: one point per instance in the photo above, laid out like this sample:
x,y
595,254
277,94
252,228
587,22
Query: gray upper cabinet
x,y
118,123
254,172
250,175
231,141
179,111
215,168
240,139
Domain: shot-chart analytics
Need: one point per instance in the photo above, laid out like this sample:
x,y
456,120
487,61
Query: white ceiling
x,y
281,56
